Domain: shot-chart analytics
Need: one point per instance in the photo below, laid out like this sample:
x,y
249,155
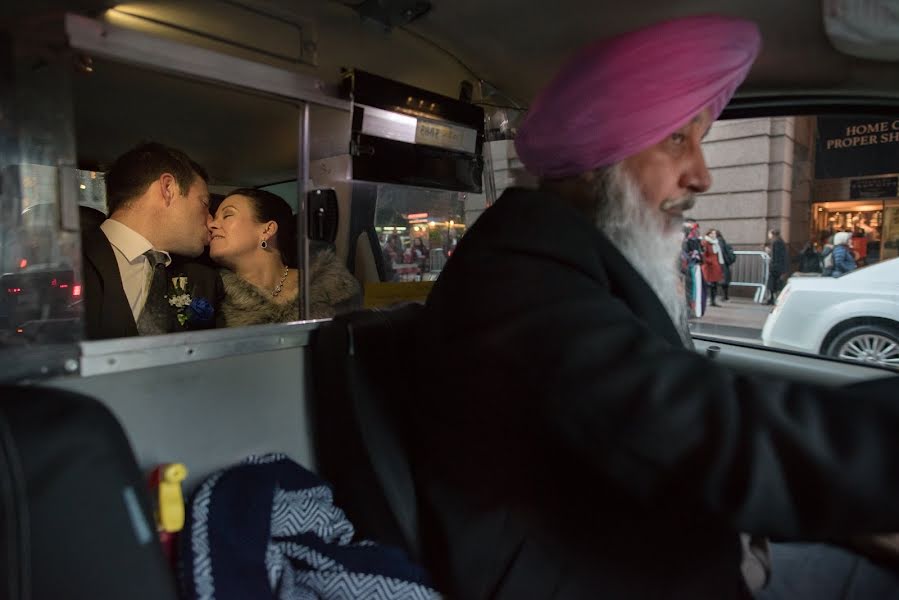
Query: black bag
x,y
75,521
730,257
810,261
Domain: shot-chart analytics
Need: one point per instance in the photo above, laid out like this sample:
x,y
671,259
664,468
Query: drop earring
x,y
264,244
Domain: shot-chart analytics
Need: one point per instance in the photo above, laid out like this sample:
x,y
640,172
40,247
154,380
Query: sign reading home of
x,y
848,147
875,187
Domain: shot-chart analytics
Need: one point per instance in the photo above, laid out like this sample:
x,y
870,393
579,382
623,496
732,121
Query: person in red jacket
x,y
712,264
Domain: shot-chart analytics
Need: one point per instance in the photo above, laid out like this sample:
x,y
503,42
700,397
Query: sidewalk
x,y
738,318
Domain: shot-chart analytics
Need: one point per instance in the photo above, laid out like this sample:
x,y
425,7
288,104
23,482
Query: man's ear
x,y
168,186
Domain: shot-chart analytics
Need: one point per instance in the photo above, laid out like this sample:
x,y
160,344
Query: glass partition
x,y
40,294
418,230
76,95
240,139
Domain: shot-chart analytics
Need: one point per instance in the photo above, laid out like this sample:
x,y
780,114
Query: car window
x,y
827,283
40,295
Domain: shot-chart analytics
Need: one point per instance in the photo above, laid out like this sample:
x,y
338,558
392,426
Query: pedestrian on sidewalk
x,y
730,257
712,264
843,260
691,258
779,265
809,259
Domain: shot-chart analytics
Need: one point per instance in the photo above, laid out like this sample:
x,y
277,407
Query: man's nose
x,y
696,177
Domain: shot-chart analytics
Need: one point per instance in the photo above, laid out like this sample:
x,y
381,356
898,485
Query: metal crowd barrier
x,y
751,270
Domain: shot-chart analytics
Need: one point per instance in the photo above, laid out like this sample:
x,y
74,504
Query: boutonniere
x,y
195,311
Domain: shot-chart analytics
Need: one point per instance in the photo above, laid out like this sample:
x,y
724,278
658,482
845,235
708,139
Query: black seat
x,y
358,425
75,519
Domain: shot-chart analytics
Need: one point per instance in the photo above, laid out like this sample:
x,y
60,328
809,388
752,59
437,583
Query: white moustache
x,y
680,204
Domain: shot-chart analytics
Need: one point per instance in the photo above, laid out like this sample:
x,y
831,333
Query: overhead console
x,y
410,136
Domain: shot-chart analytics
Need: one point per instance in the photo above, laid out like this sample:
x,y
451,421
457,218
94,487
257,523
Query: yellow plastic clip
x,y
171,500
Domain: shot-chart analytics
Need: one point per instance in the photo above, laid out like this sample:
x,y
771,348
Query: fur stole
x,y
332,290
245,304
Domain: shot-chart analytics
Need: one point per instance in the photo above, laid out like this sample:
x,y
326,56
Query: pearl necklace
x,y
280,285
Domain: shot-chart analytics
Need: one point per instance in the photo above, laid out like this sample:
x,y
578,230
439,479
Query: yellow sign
x,y
380,295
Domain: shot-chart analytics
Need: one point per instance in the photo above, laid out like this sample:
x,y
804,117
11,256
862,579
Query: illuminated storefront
x,y
856,186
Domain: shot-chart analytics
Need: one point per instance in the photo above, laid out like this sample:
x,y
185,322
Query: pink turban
x,y
619,96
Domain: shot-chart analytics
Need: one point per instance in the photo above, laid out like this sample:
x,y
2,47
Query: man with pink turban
x,y
578,447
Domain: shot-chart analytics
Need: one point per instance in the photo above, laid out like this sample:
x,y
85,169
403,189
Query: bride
x,y
253,238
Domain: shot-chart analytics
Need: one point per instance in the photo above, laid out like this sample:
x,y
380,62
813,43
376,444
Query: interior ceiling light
x,y
863,28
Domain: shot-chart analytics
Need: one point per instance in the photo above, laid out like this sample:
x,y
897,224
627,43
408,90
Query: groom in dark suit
x,y
138,279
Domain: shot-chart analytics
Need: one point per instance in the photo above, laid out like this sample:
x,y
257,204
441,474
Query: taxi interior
x,y
257,384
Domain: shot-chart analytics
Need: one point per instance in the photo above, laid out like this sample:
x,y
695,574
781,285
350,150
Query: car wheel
x,y
874,344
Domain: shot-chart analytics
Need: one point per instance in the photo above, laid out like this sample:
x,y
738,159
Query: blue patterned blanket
x,y
268,528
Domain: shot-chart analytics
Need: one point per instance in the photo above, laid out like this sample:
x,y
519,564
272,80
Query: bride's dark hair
x,y
271,207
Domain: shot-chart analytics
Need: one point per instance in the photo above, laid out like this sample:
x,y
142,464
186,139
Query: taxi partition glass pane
x,y
418,230
41,292
241,139
828,283
400,239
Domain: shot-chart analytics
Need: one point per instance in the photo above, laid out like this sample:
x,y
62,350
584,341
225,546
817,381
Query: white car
x,y
853,317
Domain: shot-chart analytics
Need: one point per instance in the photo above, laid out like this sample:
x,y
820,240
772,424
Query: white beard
x,y
643,236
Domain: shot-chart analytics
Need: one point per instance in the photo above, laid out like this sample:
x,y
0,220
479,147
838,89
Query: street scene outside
x,y
739,319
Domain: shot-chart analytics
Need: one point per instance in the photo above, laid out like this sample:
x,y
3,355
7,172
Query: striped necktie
x,y
155,317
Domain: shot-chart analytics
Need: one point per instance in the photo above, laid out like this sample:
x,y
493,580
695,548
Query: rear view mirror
x,y
868,29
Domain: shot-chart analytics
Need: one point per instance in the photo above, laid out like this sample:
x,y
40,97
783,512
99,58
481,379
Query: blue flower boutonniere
x,y
192,311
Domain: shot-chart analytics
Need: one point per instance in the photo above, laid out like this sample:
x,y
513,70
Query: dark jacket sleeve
x,y
668,425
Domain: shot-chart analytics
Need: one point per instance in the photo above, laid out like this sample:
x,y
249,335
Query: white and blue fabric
x,y
268,528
